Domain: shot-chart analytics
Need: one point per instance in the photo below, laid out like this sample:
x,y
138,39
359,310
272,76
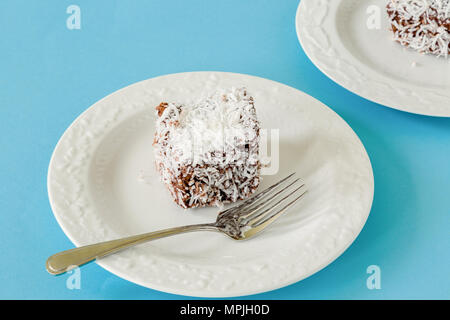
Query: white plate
x,y
335,36
102,185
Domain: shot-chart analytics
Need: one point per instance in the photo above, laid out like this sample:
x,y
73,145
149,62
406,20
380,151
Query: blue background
x,y
49,75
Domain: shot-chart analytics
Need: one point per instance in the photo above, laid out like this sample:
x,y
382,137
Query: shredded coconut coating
x,y
207,152
422,25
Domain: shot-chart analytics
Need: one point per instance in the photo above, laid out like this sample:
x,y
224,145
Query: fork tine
x,y
255,218
258,196
267,200
263,224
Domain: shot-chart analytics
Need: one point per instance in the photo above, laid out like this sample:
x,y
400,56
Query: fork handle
x,y
67,260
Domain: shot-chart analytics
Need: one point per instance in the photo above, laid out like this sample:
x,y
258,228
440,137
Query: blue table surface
x,y
50,74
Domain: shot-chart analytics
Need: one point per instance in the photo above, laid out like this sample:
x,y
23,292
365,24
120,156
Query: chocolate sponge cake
x,y
207,152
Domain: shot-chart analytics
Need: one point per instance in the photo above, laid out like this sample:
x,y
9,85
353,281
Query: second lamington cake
x,y
422,25
207,152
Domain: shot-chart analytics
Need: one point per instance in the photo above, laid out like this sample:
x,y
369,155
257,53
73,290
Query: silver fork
x,y
240,222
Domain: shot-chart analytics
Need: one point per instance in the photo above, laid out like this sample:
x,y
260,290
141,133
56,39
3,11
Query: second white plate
x,y
102,185
343,39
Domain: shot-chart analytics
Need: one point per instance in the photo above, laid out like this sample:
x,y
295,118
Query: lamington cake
x,y
207,152
423,25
